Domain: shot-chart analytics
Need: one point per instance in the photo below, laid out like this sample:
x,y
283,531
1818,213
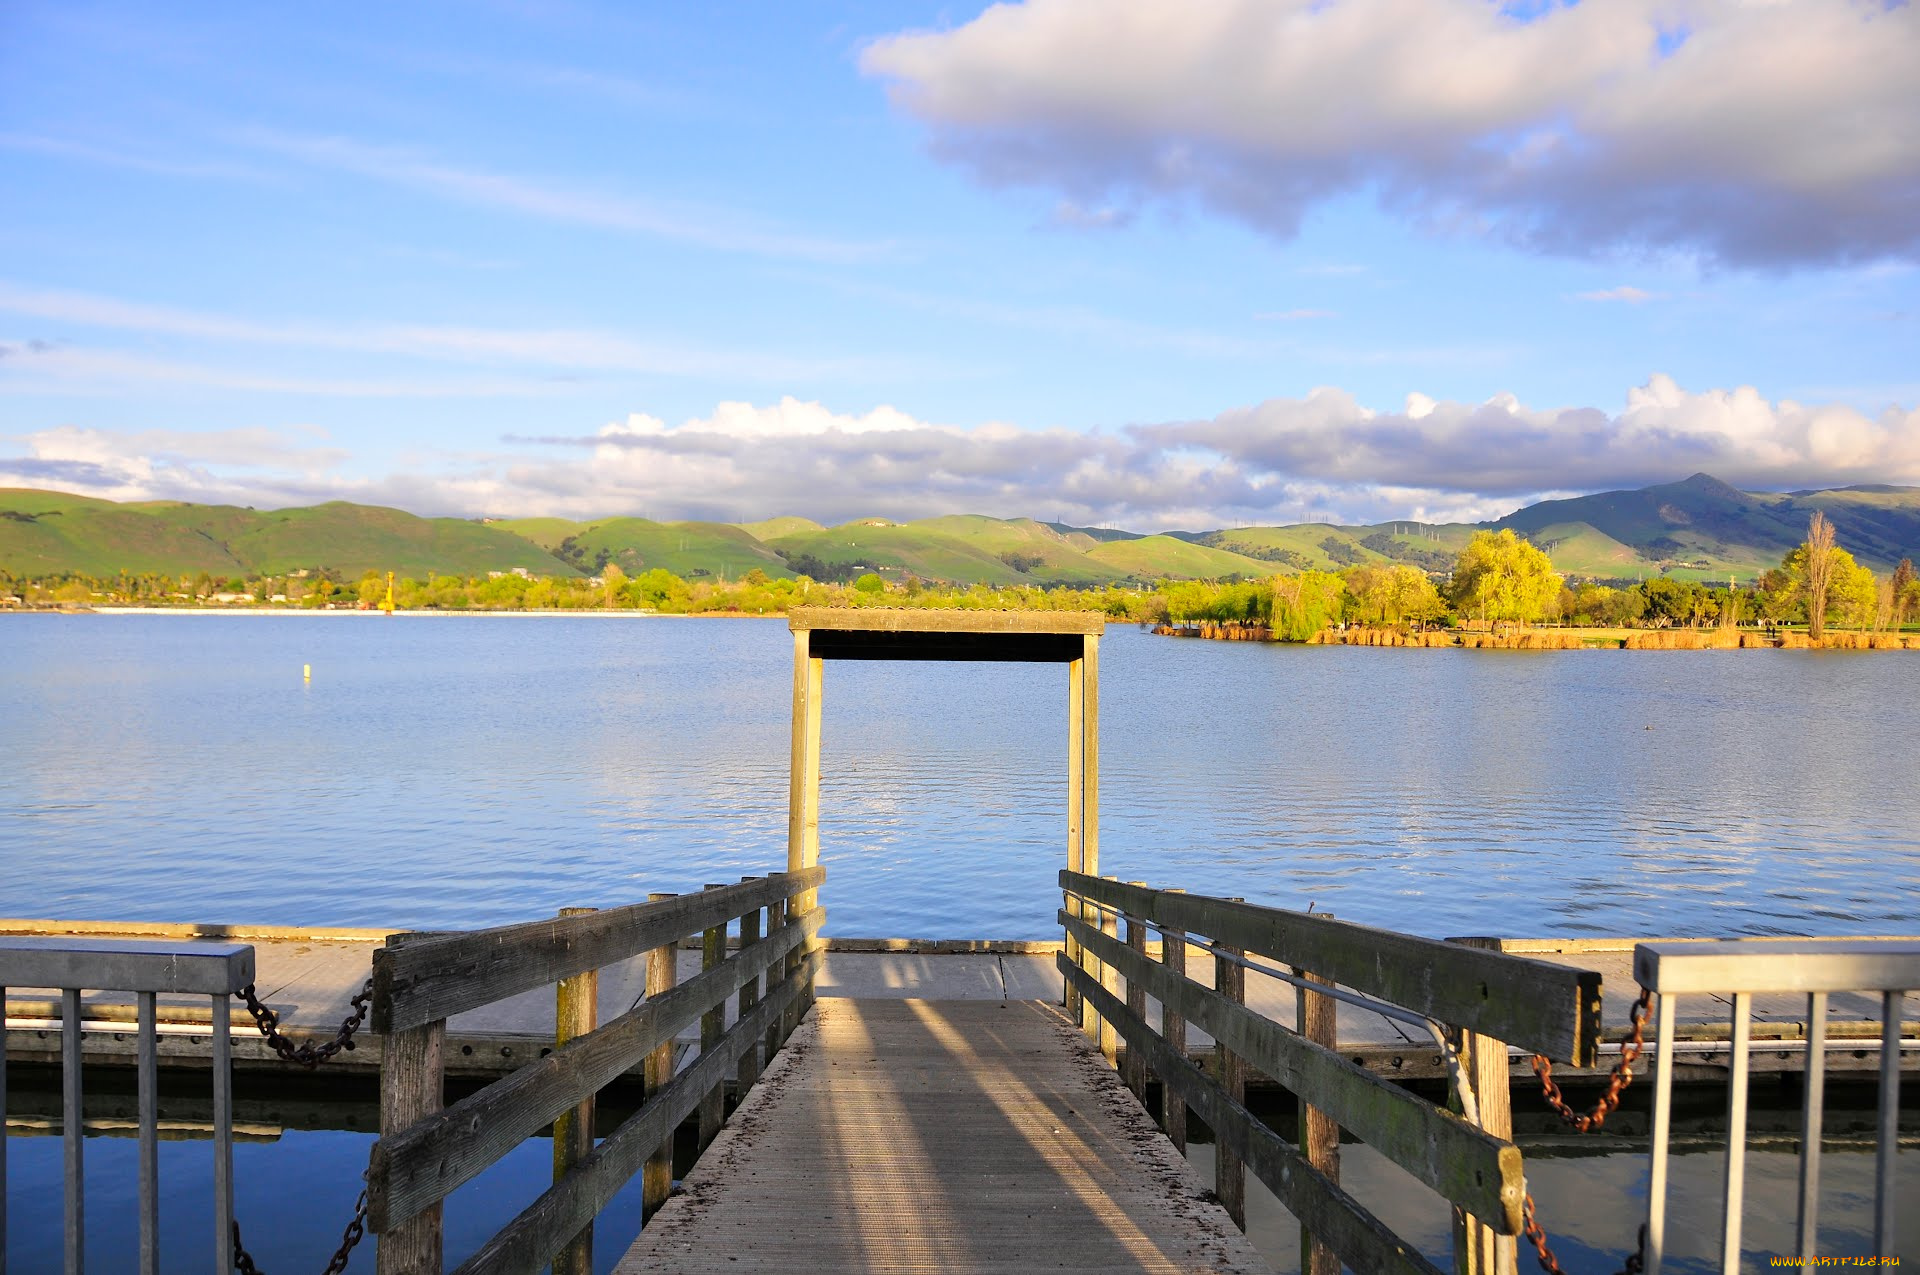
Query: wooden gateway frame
x,y
873,633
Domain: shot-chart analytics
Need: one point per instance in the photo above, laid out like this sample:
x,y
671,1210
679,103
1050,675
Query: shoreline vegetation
x,y
1501,592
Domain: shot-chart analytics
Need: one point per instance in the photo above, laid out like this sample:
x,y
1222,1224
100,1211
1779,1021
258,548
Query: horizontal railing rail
x,y
1738,970
421,980
148,969
1542,1007
1473,999
426,1151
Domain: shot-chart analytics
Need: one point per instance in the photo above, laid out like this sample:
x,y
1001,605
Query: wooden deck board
x,y
904,1135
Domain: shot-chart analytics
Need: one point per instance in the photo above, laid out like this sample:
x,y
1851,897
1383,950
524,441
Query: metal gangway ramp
x,y
953,1136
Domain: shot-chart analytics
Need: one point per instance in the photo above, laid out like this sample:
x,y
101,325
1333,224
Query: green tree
x,y
1817,571
1906,591
612,577
1305,604
1501,577
870,584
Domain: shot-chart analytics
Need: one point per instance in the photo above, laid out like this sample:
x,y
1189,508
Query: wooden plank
x,y
1363,1242
1485,1070
410,1091
414,1166
957,1137
421,981
1545,1008
530,1240
932,620
1464,1164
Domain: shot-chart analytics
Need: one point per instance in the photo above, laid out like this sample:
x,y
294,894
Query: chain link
x,y
1617,1082
355,1232
308,1055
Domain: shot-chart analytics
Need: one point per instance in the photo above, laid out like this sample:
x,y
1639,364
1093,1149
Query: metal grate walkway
x,y
952,1136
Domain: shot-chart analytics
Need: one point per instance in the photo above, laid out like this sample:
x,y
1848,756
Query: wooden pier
x,y
954,1136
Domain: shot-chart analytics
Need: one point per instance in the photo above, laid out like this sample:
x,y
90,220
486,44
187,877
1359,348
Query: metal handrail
x,y
1742,969
147,969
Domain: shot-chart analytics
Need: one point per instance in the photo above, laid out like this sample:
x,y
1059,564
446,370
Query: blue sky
x,y
1151,265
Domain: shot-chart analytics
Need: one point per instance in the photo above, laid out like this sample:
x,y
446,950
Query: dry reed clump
x,y
1683,640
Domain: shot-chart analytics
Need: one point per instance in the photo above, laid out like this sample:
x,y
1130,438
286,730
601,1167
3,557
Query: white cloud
x,y
1774,134
1283,460
1625,292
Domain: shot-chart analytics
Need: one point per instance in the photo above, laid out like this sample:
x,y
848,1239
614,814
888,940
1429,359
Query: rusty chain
x,y
355,1232
308,1055
1617,1082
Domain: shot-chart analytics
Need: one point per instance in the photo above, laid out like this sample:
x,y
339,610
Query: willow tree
x,y
1819,547
1502,577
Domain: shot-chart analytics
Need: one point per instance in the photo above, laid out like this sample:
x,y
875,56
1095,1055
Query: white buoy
x,y
306,672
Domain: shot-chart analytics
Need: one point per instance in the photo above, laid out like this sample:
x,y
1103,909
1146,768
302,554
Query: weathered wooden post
x,y
1136,1069
803,804
776,1029
576,1012
1477,1248
1229,1170
656,1178
411,1071
1173,1026
749,997
713,1025
1109,983
1316,1017
1077,1012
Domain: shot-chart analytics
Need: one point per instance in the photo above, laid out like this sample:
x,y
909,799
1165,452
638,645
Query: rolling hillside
x,y
1700,528
50,532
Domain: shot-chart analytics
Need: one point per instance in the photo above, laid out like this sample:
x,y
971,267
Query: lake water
x,y
466,771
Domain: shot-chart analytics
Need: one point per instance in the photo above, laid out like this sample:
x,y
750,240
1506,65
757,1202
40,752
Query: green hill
x,y
1155,557
1700,528
687,549
892,549
47,532
768,528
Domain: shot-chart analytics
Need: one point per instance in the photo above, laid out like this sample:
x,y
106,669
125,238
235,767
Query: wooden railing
x,y
1478,1000
425,1152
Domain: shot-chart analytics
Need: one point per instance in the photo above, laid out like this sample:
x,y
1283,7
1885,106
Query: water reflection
x,y
462,771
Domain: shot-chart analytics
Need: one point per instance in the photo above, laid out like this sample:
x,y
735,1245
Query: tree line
x,y
1497,577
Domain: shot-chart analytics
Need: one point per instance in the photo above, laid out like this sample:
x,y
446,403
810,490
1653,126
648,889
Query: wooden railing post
x,y
410,1090
776,1030
656,1179
1136,1069
1477,1248
1109,982
749,997
1229,1169
713,1025
576,1012
1316,1017
1173,1026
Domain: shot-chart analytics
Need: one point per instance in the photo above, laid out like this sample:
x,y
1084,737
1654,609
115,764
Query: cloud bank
x,y
1773,135
1283,460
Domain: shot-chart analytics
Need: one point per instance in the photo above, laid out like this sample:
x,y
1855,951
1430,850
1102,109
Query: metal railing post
x,y
1734,1195
149,1035
71,1132
1662,1128
222,1131
1812,1124
1888,1142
